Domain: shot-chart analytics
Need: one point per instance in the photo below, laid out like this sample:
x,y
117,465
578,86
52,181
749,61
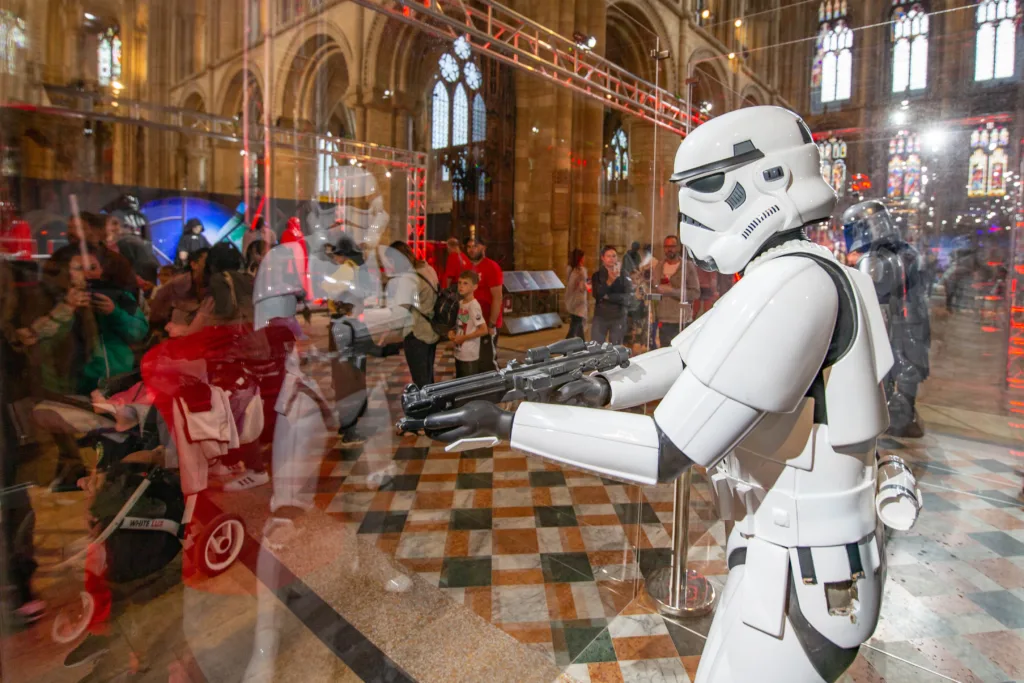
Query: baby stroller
x,y
140,518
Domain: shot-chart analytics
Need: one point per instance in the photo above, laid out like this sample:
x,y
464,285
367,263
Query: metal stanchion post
x,y
679,591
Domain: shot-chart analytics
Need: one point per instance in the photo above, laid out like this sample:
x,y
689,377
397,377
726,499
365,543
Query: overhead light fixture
x,y
387,174
117,85
353,162
899,117
583,41
738,23
705,14
90,17
732,55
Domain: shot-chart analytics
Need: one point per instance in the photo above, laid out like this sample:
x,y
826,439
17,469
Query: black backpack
x,y
446,309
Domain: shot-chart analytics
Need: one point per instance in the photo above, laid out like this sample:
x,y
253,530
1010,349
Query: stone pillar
x,y
653,153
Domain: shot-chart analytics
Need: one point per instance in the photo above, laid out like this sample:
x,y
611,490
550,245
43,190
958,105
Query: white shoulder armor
x,y
767,337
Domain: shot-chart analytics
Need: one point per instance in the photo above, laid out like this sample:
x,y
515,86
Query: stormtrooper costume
x,y
776,390
902,293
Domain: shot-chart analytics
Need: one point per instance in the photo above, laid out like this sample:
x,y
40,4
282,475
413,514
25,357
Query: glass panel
x,y
224,227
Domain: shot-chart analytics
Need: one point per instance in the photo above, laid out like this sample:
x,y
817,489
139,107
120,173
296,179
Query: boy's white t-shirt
x,y
471,318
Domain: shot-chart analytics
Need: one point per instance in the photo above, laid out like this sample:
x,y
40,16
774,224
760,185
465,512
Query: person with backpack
x,y
421,343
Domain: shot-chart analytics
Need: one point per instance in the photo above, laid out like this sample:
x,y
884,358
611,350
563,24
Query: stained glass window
x,y
453,121
618,163
910,47
479,119
13,39
988,161
832,71
995,40
439,132
109,56
833,163
460,117
904,180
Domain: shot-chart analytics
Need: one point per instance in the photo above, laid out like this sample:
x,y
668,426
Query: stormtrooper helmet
x,y
744,177
868,223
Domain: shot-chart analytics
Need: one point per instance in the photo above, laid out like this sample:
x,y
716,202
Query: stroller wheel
x,y
220,543
72,620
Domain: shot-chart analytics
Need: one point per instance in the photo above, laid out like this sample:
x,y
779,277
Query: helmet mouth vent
x,y
683,218
749,230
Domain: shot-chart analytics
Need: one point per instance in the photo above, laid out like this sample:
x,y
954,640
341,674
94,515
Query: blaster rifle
x,y
545,369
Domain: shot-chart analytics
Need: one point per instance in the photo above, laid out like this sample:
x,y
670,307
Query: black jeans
x,y
488,352
420,357
576,328
466,368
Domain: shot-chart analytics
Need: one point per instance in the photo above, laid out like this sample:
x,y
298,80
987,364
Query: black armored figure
x,y
893,265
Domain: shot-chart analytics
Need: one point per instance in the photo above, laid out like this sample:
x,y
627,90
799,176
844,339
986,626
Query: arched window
x,y
995,44
617,164
439,128
988,161
833,164
904,180
458,80
109,56
326,163
13,39
479,118
832,71
909,47
460,117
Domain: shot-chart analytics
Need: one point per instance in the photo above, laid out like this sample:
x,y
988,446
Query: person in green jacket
x,y
86,337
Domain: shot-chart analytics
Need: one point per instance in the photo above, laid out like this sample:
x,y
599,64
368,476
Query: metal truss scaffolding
x,y
507,36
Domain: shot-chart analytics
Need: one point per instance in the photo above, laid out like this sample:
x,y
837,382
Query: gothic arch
x,y
753,96
315,85
713,82
302,55
229,99
638,30
193,95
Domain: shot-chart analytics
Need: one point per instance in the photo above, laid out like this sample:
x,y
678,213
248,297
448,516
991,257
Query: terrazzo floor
x,y
526,571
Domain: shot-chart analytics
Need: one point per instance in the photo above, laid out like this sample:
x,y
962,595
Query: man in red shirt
x,y
489,294
456,263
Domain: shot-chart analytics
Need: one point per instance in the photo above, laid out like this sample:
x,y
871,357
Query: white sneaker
x,y
249,480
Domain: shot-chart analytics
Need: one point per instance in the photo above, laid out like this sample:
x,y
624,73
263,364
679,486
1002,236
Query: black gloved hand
x,y
475,419
592,392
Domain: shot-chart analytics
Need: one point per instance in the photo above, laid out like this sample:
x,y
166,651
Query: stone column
x,y
653,153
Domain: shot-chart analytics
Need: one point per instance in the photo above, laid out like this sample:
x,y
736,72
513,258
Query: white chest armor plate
x,y
801,480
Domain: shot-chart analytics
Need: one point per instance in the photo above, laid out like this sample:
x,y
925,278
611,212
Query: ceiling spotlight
x,y
705,14
732,55
738,23
387,174
583,41
353,162
90,17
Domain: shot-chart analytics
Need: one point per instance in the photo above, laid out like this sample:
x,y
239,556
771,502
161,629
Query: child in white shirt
x,y
470,327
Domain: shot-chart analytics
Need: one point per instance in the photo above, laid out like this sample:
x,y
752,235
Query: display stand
x,y
677,590
524,288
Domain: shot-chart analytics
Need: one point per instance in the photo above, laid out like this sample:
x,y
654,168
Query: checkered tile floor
x,y
555,557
